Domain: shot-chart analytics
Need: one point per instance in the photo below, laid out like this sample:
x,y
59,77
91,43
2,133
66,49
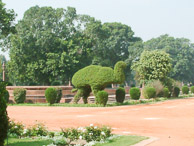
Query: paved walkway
x,y
172,122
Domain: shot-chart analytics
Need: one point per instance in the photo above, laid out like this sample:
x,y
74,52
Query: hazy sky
x,y
148,18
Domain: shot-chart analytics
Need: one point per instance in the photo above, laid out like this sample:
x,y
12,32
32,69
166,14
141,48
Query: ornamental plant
x,y
16,128
6,96
59,95
149,92
51,95
192,89
176,91
19,95
185,90
135,93
102,98
166,92
3,114
120,95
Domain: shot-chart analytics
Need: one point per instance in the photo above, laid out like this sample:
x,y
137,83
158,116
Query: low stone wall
x,y
36,94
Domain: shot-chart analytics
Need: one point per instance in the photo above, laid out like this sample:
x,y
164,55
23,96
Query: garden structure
x,y
95,78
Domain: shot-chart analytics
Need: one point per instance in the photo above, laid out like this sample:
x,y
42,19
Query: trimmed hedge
x,y
55,83
149,92
3,114
176,92
135,93
120,95
185,90
192,89
6,96
19,95
51,95
59,95
102,98
166,92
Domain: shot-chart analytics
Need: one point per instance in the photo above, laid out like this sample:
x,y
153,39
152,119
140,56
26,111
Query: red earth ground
x,y
172,122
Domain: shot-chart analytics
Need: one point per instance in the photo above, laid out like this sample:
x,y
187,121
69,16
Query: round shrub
x,y
166,92
176,91
120,95
185,90
51,95
149,92
19,95
102,97
135,93
192,89
6,96
59,95
55,83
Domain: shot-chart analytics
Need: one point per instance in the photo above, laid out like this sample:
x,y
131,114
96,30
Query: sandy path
x,y
170,121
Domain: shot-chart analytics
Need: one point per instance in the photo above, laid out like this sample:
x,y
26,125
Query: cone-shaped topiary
x,y
95,78
120,95
176,92
185,90
51,95
3,114
135,93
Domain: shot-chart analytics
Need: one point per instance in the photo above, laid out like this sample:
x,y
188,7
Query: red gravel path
x,y
171,121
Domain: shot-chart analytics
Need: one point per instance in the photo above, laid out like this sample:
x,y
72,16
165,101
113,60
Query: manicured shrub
x,y
176,91
192,89
135,93
3,114
95,78
166,92
32,84
185,90
157,85
55,83
102,97
19,95
149,92
6,96
120,95
59,95
51,95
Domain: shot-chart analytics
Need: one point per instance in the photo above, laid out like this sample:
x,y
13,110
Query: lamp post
x,y
3,71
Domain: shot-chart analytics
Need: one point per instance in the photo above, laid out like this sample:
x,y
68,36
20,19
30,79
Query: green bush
x,y
149,92
55,83
51,95
166,92
157,85
192,89
135,93
3,114
19,95
185,90
59,95
6,96
120,95
102,97
16,129
176,91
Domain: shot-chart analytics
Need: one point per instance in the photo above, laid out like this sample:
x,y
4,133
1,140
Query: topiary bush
x,y
19,95
51,95
135,93
6,96
176,91
192,89
157,85
102,97
3,114
120,95
166,92
95,78
59,95
185,90
149,92
55,83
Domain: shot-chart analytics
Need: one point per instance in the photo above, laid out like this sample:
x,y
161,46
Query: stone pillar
x,y
3,71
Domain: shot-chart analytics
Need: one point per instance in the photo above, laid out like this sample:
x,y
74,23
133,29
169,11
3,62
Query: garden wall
x,y
35,94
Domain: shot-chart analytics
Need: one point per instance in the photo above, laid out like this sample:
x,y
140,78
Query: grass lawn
x,y
26,142
119,141
129,102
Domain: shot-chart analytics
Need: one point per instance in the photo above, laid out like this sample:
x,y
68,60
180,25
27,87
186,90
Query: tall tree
x,y
181,51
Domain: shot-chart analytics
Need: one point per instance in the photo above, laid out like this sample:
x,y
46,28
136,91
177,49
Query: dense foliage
x,y
176,92
166,92
59,95
120,95
149,92
135,93
51,95
19,95
102,98
192,89
185,90
3,114
6,96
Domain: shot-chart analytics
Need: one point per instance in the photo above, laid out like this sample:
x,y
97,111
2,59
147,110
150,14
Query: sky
x,y
147,18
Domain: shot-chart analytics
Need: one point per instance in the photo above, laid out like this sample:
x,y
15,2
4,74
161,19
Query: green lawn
x,y
120,141
123,141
